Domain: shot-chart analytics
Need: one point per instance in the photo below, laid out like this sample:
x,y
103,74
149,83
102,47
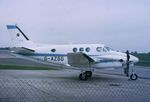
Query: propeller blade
x,y
127,64
127,69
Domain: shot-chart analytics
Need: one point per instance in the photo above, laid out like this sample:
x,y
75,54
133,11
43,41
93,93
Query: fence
x,y
25,90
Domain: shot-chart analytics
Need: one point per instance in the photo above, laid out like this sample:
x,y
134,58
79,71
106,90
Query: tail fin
x,y
19,39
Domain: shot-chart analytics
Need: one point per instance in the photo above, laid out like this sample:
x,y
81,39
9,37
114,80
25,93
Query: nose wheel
x,y
133,76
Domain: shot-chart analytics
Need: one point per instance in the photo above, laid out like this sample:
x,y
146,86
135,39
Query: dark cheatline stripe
x,y
44,54
47,54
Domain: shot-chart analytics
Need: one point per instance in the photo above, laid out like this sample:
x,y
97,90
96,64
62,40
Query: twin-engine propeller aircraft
x,y
84,57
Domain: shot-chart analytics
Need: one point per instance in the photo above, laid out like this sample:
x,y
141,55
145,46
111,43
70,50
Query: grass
x,y
144,59
18,67
146,64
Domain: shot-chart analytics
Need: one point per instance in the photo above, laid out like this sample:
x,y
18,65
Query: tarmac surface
x,y
64,86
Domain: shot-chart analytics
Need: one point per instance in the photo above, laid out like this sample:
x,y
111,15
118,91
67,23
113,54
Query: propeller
x,y
126,69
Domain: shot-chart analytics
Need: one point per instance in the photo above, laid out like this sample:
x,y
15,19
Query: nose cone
x,y
134,59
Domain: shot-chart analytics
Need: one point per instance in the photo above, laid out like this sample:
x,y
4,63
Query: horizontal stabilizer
x,y
22,50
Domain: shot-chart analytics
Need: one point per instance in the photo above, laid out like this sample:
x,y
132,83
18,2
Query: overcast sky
x,y
120,24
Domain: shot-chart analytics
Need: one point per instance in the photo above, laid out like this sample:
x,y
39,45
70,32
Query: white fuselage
x,y
104,57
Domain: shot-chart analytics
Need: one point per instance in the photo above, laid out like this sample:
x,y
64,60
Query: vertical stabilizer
x,y
18,38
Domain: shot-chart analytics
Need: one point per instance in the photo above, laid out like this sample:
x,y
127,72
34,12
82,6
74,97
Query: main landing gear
x,y
85,75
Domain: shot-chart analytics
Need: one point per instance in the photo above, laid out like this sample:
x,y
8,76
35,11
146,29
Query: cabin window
x,y
99,49
74,49
87,49
53,50
81,49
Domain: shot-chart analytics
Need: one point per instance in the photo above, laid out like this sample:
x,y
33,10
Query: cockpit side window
x,y
99,49
106,49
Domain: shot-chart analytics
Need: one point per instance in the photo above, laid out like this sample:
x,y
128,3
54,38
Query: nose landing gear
x,y
133,76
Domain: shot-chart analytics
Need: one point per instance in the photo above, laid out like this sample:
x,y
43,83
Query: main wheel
x,y
83,76
88,73
133,76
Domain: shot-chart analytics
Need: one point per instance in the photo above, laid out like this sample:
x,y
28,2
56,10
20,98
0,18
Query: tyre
x,y
133,76
88,73
83,76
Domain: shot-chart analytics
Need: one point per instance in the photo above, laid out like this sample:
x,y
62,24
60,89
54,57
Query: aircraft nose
x,y
134,59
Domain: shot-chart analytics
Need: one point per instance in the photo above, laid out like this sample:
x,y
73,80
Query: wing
x,y
79,60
